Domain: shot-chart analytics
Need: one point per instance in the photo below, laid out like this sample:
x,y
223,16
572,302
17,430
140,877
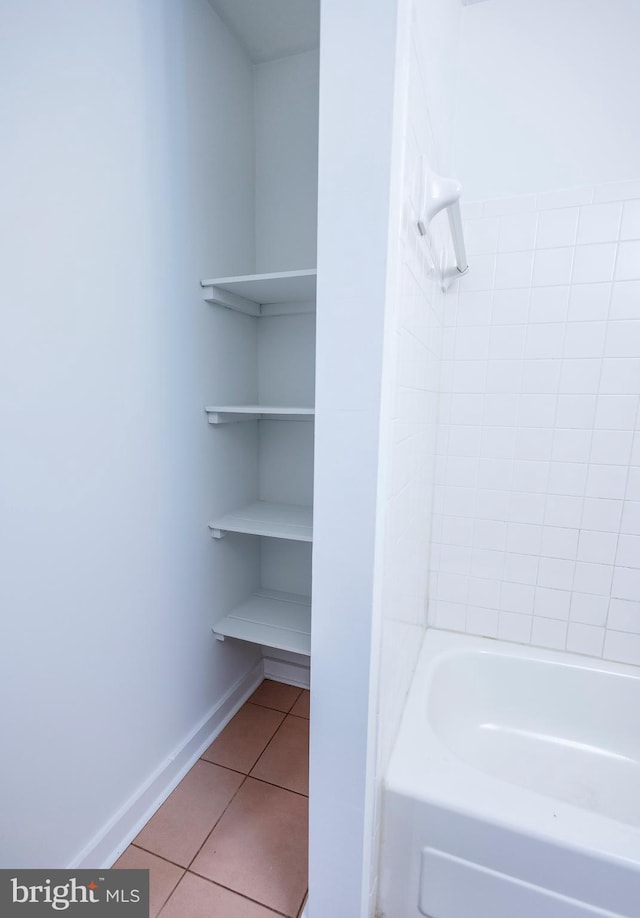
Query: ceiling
x,y
269,29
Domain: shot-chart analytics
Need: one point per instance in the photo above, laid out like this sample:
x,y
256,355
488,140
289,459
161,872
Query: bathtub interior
x,y
485,812
565,731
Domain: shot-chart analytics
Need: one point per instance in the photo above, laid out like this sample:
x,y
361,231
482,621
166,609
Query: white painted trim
x,y
290,668
112,839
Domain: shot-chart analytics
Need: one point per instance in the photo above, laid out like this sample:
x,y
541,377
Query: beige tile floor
x,y
231,840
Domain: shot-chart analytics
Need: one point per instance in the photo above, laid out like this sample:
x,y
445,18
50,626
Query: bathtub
x,y
513,789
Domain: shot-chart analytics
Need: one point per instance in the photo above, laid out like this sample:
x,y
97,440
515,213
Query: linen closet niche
x,y
265,426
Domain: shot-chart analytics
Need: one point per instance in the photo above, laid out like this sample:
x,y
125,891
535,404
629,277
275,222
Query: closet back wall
x,y
286,98
121,195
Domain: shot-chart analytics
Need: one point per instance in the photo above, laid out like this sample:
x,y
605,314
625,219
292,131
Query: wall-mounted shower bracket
x,y
438,194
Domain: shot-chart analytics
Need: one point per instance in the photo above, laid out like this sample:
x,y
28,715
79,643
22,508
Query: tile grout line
x,y
245,776
242,895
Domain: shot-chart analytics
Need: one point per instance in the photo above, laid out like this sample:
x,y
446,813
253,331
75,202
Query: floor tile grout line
x,y
255,762
279,786
245,776
268,744
159,856
242,783
243,895
295,701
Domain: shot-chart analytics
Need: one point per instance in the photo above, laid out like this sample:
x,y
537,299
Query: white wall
x,y
119,197
413,345
538,500
286,99
357,51
545,95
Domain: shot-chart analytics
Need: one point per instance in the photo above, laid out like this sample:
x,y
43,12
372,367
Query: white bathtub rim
x,y
424,769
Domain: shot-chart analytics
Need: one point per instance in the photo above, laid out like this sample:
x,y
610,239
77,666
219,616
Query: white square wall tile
x,y
549,304
576,411
626,584
507,342
545,341
514,627
586,639
585,339
589,302
625,300
510,307
616,412
450,616
482,275
627,552
540,376
623,338
581,375
628,261
513,269
624,615
483,622
606,481
525,507
589,609
622,647
563,510
631,518
517,597
594,263
556,573
630,228
568,478
599,547
620,376
481,236
552,603
520,568
602,515
571,445
483,593
593,578
633,484
547,632
599,223
558,542
518,232
611,447
523,538
557,228
552,266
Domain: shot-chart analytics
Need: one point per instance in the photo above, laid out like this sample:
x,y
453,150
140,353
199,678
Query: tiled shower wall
x,y
537,503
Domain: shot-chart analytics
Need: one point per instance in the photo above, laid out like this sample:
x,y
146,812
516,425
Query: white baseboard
x,y
112,839
282,666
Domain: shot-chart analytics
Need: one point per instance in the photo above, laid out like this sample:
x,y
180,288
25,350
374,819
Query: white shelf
x,y
223,414
264,294
270,618
276,521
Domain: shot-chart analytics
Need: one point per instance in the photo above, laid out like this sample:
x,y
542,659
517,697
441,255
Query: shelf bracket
x,y
220,297
217,533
